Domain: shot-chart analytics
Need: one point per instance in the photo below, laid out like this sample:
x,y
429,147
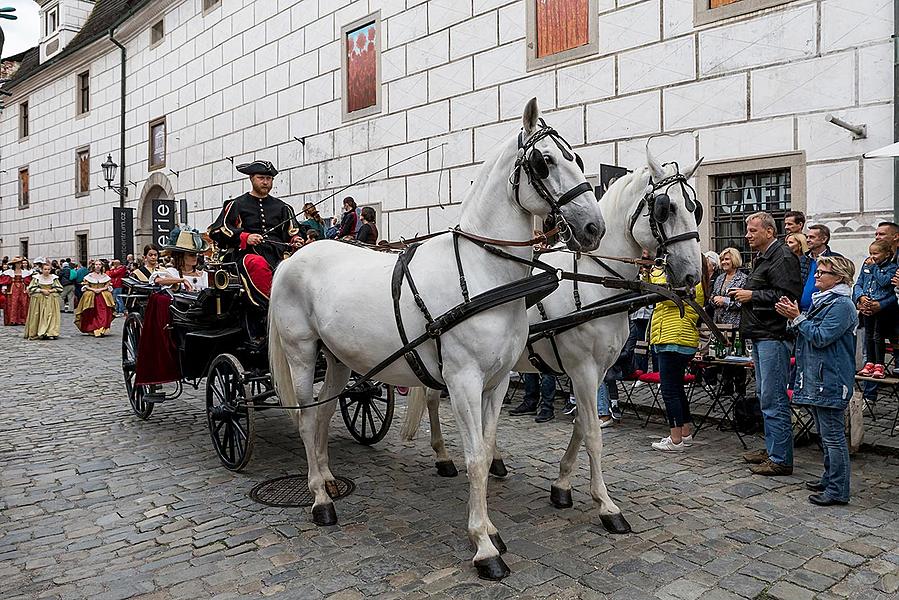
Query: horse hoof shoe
x,y
492,569
446,468
498,468
324,515
561,498
616,523
498,543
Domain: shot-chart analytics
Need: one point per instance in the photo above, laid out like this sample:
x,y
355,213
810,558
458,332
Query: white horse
x,y
588,350
338,297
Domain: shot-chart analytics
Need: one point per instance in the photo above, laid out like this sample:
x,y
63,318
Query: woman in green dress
x,y
45,291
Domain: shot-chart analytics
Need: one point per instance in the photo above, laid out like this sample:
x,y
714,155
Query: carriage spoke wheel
x,y
231,423
368,411
130,339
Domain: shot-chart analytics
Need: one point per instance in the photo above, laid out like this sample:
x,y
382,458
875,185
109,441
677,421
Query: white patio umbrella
x,y
887,151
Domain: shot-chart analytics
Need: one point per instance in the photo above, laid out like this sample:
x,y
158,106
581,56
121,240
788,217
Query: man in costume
x,y
261,230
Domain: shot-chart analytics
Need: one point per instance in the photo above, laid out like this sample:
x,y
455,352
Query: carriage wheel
x,y
130,339
231,423
368,412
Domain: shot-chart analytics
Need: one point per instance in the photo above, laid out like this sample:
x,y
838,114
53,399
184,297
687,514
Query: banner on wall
x,y
163,220
607,176
122,232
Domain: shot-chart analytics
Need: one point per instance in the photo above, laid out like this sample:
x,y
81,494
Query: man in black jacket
x,y
775,274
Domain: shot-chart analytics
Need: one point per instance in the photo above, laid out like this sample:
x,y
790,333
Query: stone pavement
x,y
97,504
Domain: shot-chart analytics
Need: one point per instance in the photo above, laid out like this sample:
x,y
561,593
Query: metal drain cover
x,y
293,490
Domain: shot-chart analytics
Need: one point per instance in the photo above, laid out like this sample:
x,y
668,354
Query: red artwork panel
x,y
562,25
362,77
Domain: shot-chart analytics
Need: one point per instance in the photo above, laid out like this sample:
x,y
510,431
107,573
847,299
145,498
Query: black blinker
x,y
579,161
661,208
538,164
697,212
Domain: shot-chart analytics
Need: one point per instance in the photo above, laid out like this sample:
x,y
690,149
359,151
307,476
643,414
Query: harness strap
x,y
552,343
413,358
577,294
463,285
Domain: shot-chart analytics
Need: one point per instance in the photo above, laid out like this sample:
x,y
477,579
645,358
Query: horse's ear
x,y
531,114
658,171
692,170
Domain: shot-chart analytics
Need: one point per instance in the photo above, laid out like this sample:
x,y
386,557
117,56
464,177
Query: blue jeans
x,y
119,303
672,366
772,374
832,429
602,400
547,385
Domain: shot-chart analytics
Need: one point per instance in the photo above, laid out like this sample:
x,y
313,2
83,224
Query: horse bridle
x,y
659,209
531,161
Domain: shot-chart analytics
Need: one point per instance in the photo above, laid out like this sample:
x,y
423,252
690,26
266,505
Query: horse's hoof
x,y
498,468
616,523
324,514
560,498
498,543
446,468
492,569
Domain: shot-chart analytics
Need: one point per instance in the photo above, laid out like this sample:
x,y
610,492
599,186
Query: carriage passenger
x,y
150,264
184,248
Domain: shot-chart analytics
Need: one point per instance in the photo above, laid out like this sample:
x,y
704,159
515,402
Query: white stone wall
x,y
244,80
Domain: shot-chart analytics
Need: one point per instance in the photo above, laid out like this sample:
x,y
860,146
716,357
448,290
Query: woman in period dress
x,y
44,307
150,264
184,248
14,286
95,310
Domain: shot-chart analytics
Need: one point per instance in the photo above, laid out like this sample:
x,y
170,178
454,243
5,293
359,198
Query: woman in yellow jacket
x,y
674,341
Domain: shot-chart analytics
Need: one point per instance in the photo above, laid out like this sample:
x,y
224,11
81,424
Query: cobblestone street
x,y
98,504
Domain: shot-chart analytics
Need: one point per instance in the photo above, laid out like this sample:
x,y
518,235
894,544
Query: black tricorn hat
x,y
258,167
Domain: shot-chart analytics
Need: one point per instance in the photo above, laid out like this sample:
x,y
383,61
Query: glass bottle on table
x,y
738,344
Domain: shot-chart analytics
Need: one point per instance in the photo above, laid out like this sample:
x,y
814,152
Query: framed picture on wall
x,y
361,67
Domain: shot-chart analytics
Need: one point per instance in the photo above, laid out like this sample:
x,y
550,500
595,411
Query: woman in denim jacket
x,y
825,369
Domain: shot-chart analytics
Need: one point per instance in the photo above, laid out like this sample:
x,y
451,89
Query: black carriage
x,y
211,342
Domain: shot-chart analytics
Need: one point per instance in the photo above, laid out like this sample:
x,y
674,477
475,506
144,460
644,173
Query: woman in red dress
x,y
13,284
94,313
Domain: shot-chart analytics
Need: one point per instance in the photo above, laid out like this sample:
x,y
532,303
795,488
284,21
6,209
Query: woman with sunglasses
x,y
825,369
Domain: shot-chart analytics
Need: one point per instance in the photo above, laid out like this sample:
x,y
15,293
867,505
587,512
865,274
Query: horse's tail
x,y
416,402
282,379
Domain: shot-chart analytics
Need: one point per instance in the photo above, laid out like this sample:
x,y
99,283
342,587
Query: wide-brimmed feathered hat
x,y
258,167
186,240
14,260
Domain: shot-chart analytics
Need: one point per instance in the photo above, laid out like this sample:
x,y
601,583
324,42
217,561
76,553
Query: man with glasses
x,y
775,274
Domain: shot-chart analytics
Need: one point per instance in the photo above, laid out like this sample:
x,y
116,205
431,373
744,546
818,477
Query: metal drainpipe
x,y
122,117
896,108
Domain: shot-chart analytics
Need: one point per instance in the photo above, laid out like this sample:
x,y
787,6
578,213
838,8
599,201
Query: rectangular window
x,y
84,92
709,11
157,32
157,143
23,247
210,4
83,172
23,187
361,67
81,248
23,120
560,30
51,21
736,196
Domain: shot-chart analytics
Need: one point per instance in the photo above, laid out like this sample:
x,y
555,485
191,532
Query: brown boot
x,y
771,468
756,457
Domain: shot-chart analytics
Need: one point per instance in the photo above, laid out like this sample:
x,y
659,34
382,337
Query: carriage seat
x,y
200,309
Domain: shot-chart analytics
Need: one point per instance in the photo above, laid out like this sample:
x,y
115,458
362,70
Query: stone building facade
x,y
746,84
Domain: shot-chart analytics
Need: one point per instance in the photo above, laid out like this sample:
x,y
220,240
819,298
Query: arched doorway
x,y
156,187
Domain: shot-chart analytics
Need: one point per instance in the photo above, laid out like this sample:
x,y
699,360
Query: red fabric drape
x,y
157,361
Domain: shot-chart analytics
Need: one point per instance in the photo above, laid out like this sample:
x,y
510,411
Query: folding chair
x,y
629,382
725,403
803,421
653,382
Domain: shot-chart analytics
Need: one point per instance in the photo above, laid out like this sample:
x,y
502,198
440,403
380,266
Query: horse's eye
x,y
549,159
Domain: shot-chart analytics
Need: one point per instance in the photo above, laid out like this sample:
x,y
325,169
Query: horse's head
x,y
665,217
554,183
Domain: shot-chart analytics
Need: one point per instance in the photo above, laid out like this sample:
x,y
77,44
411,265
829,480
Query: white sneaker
x,y
606,423
666,445
687,440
